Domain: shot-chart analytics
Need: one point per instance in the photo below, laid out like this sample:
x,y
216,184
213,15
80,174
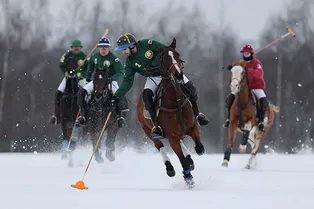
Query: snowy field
x,y
42,181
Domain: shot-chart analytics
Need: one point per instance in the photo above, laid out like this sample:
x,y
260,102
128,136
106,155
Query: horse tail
x,y
274,107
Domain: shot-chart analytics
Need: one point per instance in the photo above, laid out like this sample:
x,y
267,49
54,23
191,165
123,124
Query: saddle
x,y
157,103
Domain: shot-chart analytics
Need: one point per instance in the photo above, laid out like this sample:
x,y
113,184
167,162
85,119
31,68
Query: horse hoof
x,y
64,156
190,183
171,173
248,167
188,178
191,162
242,148
199,149
99,159
225,164
110,156
170,169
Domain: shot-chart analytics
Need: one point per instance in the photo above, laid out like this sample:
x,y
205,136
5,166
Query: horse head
x,y
101,82
171,64
71,65
239,76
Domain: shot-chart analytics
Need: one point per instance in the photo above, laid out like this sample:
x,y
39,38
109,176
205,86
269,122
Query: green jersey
x,y
80,57
146,56
116,71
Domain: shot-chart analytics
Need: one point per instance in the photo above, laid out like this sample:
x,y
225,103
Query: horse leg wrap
x,y
245,137
110,143
187,174
191,162
58,95
228,153
185,163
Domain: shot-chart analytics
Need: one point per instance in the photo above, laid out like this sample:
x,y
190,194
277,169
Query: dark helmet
x,y
104,42
124,41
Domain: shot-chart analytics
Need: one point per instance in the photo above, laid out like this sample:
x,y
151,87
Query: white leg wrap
x,y
164,155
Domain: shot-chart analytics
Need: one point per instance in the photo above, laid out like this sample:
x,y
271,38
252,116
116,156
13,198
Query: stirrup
x,y
121,122
261,127
226,124
203,120
157,134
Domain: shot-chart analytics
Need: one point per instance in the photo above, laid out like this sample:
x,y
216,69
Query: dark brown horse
x,y
174,114
96,110
243,115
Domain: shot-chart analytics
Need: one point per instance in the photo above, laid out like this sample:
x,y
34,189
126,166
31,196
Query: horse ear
x,y
173,43
242,63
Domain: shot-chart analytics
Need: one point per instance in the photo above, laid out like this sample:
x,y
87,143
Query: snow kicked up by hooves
x,y
36,181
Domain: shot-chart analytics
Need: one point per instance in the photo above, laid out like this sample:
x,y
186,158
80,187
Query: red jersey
x,y
256,74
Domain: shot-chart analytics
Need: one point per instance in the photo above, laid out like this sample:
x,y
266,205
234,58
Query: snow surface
x,y
42,181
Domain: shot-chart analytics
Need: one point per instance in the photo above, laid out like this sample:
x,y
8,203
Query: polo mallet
x,y
80,184
89,54
290,32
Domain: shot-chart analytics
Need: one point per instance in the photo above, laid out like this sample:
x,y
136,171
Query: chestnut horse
x,y
243,115
174,114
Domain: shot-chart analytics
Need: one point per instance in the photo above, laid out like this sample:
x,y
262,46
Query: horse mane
x,y
240,63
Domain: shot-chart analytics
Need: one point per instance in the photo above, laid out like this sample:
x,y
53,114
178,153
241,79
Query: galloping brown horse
x,y
175,114
243,115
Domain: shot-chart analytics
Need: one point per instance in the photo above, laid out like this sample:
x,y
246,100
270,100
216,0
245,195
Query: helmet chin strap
x,y
248,58
131,48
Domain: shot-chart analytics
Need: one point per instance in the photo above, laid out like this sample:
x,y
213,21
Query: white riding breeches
x,y
90,87
61,87
153,82
259,93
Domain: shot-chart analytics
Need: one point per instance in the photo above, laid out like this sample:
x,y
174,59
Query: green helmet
x,y
124,41
76,42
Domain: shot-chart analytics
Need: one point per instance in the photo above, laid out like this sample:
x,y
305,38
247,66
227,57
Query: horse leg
x,y
94,138
259,136
160,147
187,155
199,147
176,146
65,138
71,129
111,137
194,133
232,130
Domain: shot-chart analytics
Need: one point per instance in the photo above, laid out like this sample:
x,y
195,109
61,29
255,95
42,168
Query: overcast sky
x,y
246,17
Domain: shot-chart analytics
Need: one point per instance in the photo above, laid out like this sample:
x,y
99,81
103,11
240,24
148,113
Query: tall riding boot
x,y
55,118
229,101
192,94
120,115
263,110
150,107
